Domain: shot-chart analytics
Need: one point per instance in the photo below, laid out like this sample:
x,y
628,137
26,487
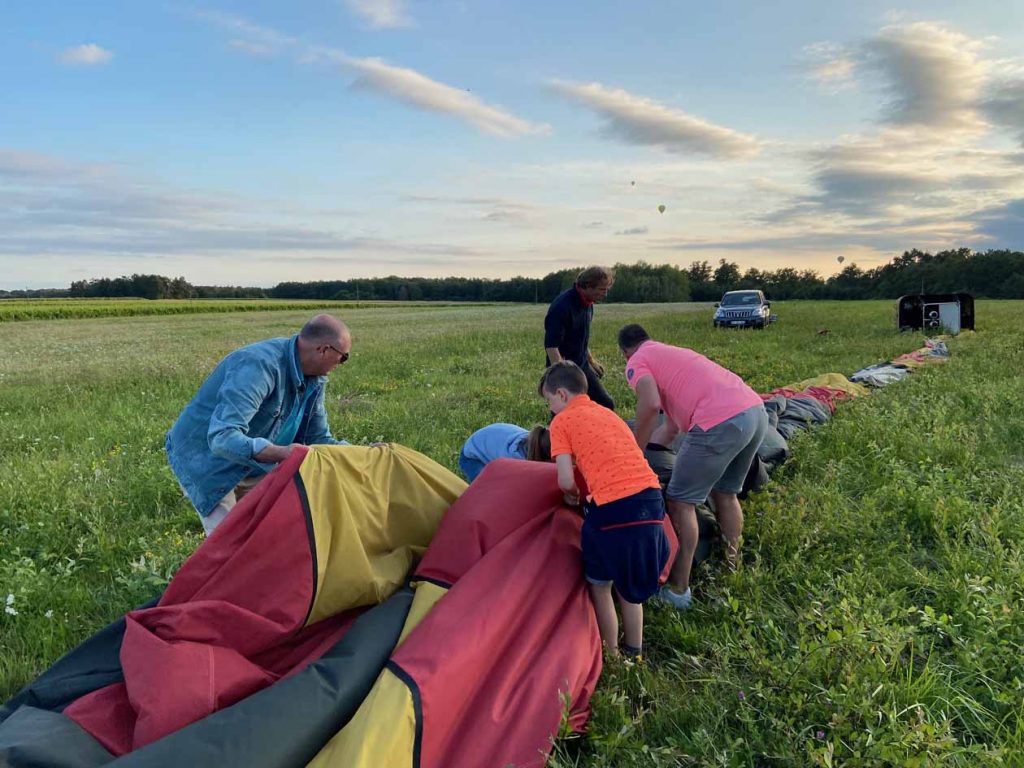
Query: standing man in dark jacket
x,y
567,328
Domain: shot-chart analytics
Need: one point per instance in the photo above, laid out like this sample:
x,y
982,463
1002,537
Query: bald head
x,y
324,329
324,343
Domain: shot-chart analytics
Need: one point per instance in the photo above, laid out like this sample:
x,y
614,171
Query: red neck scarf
x,y
586,302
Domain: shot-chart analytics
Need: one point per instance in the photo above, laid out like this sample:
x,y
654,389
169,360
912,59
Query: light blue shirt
x,y
496,441
255,397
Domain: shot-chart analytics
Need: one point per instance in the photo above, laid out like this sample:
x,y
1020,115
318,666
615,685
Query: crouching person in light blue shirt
x,y
503,441
258,404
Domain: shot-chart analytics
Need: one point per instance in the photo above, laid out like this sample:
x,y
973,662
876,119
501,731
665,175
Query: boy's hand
x,y
572,498
597,367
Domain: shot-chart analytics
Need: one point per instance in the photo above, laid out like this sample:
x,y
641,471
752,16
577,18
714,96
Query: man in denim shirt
x,y
257,405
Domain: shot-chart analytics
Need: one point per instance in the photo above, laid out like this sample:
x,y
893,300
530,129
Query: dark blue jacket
x,y
567,326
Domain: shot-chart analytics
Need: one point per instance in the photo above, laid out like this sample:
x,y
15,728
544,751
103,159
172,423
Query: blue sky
x,y
250,143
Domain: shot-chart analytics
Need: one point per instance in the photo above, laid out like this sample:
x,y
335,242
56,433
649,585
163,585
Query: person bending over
x,y
724,421
257,405
502,441
624,544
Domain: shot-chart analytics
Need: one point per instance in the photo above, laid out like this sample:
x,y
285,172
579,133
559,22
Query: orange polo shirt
x,y
604,448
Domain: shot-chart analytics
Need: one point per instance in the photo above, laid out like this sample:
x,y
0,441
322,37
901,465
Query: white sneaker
x,y
678,601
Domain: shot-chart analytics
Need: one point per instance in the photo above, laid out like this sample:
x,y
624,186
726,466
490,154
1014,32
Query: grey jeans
x,y
718,458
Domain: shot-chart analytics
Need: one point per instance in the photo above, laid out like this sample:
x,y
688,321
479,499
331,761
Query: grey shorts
x,y
718,458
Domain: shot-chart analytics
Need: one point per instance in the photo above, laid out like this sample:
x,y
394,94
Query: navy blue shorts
x,y
624,543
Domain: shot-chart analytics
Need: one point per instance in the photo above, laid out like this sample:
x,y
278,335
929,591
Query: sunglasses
x,y
342,355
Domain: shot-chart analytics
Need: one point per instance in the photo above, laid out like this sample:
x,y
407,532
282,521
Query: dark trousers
x,y
596,389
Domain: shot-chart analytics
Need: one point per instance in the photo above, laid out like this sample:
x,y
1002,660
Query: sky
x,y
249,143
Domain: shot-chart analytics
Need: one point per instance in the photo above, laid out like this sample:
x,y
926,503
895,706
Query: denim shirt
x,y
237,412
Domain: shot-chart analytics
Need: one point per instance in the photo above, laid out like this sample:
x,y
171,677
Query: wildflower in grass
x,y
49,614
9,608
819,735
741,696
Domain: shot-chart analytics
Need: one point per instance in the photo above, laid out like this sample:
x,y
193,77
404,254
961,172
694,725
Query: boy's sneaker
x,y
678,601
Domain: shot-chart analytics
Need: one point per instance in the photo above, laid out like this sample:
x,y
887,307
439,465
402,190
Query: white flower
x,y
10,598
49,614
10,611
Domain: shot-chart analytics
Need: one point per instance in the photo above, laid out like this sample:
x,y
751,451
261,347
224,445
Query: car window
x,y
740,299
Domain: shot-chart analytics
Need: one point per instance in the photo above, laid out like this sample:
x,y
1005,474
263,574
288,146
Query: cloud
x,y
499,209
417,90
831,66
1002,226
637,120
248,37
252,48
63,214
633,231
933,73
381,14
88,55
1005,106
400,83
594,225
869,190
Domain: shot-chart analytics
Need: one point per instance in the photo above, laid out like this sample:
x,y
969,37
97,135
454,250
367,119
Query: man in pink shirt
x,y
723,421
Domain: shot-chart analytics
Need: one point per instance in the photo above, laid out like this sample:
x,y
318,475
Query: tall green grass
x,y
876,619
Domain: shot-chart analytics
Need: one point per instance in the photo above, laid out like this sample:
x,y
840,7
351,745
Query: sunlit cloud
x,y
934,74
421,92
637,120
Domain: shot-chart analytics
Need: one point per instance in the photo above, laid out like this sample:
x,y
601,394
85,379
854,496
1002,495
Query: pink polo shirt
x,y
693,389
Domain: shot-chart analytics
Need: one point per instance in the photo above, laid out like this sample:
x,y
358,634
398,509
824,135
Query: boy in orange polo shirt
x,y
623,541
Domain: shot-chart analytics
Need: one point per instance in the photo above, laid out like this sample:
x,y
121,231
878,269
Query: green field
x,y
876,619
72,309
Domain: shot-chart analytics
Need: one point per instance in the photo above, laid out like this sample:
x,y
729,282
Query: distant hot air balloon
x,y
661,209
840,259
632,183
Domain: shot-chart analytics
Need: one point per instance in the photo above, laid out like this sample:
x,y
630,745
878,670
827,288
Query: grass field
x,y
876,619
12,310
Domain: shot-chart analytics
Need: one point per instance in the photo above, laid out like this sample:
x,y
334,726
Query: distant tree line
x,y
993,274
158,287
634,283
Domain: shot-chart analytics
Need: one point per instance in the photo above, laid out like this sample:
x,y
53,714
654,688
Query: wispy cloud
x,y
400,83
490,209
88,55
417,90
252,48
247,36
637,120
633,231
50,208
381,14
831,66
